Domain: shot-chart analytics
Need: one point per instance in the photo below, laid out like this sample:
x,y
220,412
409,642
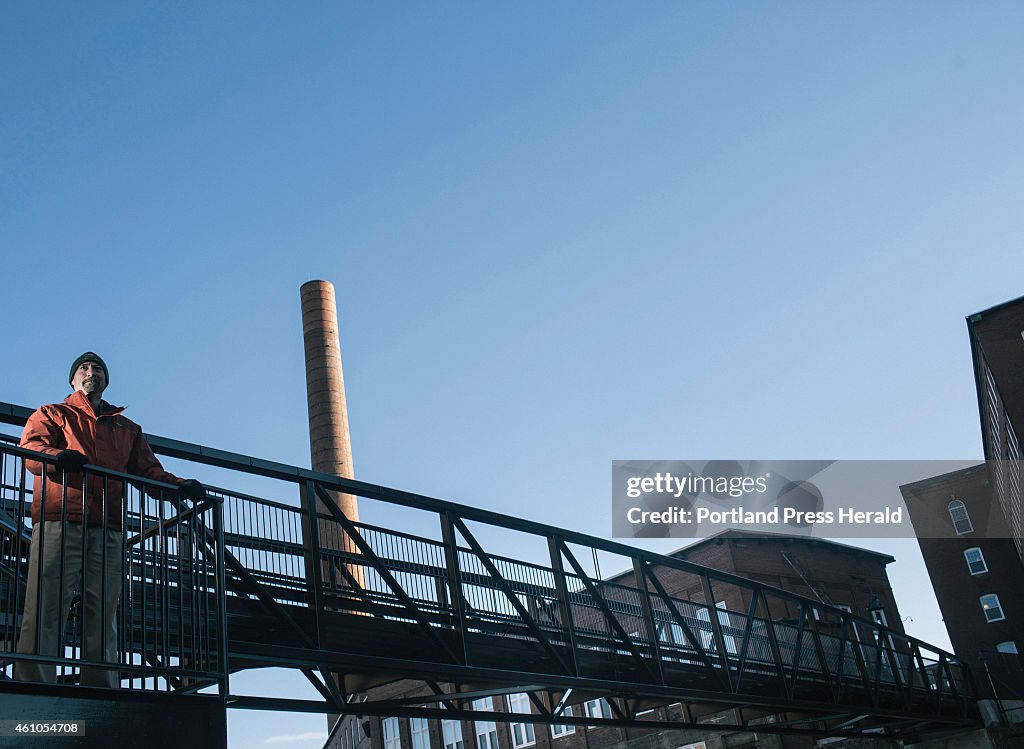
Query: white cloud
x,y
293,737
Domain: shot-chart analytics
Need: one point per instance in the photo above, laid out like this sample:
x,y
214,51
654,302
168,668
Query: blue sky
x,y
561,234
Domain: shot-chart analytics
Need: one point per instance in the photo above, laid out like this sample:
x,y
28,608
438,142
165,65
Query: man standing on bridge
x,y
84,429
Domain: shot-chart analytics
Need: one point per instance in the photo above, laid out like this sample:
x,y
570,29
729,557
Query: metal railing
x,y
140,605
242,581
1004,673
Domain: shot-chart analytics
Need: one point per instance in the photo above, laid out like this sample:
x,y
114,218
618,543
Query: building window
x,y
558,729
707,634
486,730
961,520
975,561
1007,647
420,730
392,738
522,733
990,605
878,617
597,708
451,730
844,607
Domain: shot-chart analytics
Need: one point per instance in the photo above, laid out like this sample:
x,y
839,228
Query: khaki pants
x,y
102,591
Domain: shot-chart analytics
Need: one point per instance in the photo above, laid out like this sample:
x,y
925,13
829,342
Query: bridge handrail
x,y
157,524
577,597
17,415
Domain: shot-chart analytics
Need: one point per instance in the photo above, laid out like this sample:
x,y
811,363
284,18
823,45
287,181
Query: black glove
x,y
192,489
70,461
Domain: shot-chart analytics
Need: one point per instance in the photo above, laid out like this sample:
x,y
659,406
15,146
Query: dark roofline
x,y
978,315
976,355
943,477
762,535
733,532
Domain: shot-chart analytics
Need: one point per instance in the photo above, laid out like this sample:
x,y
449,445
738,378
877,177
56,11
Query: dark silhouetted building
x,y
997,348
975,567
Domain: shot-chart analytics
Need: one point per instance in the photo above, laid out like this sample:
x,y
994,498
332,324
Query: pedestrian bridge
x,y
284,579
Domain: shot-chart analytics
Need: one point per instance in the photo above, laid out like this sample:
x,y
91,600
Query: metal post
x,y
716,626
454,570
222,617
311,548
645,604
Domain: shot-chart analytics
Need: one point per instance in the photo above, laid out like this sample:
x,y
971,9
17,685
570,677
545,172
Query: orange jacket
x,y
108,440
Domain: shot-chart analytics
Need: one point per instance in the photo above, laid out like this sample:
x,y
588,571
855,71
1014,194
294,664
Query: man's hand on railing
x,y
71,461
192,489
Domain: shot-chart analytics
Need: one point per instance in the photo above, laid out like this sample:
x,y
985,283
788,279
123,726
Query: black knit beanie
x,y
88,356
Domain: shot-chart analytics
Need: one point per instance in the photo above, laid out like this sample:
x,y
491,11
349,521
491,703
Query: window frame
x,y
419,733
563,729
997,606
878,617
603,709
958,504
488,729
457,742
981,558
395,741
521,734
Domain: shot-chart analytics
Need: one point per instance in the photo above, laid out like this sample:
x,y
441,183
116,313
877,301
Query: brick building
x,y
833,573
997,350
836,574
975,571
975,566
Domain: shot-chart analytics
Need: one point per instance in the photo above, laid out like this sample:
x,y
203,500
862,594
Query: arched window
x,y
975,561
961,520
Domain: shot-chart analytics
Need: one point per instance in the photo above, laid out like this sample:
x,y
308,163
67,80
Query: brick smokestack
x,y
330,445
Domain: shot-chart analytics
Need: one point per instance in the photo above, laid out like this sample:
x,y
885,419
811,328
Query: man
x,y
84,429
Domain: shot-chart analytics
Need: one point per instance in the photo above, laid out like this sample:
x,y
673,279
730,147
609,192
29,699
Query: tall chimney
x,y
330,445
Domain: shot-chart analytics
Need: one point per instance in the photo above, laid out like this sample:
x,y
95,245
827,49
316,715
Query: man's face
x,y
89,378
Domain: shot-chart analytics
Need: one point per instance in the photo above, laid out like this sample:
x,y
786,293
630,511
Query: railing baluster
x,y
221,592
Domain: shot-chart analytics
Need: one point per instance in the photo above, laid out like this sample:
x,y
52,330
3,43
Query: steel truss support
x,y
374,561
610,618
548,629
693,640
513,599
836,724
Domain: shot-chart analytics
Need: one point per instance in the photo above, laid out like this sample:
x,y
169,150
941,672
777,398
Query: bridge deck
x,y
239,582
